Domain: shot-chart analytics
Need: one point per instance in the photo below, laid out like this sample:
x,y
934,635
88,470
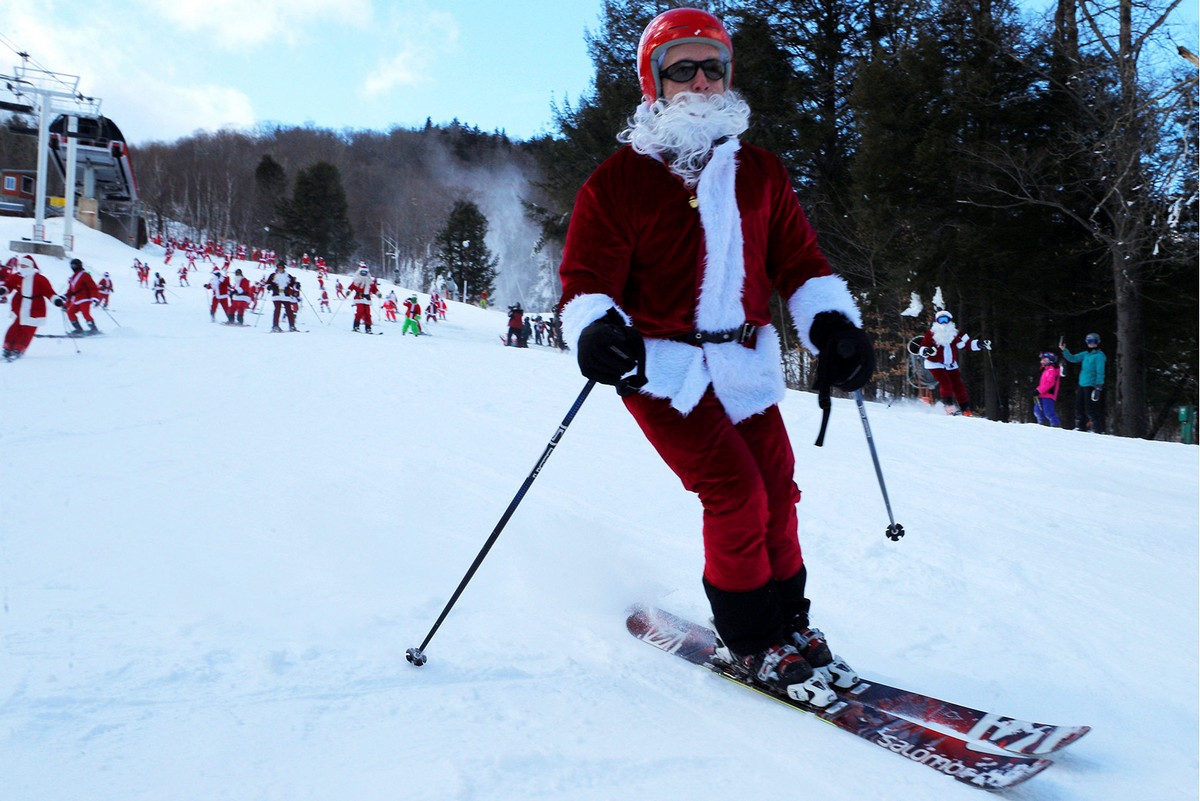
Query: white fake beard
x,y
944,333
684,129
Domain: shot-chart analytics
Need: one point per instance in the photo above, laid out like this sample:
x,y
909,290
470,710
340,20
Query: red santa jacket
x,y
219,285
82,289
412,309
673,261
363,291
278,285
240,289
29,296
945,356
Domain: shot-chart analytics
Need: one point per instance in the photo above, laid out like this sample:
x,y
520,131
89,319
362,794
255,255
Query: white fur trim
x,y
582,311
719,307
821,294
746,380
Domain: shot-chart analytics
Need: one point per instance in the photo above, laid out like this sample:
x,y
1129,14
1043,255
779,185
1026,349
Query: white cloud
x,y
231,24
136,84
418,39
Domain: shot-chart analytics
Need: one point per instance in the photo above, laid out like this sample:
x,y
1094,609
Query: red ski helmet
x,y
674,27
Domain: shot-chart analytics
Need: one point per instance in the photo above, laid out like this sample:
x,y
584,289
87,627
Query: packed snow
x,y
217,543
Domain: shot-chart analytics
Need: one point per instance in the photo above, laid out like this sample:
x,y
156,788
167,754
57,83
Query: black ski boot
x,y
808,641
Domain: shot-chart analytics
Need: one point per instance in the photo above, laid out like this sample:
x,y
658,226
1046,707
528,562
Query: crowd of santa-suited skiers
x,y
232,294
29,296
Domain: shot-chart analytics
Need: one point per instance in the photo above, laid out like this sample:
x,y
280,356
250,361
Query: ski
x,y
69,336
971,763
1011,734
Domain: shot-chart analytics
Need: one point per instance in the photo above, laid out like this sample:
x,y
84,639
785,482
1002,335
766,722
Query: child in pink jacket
x,y
1047,391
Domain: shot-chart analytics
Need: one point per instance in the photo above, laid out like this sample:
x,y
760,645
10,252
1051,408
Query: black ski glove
x,y
608,349
846,359
60,302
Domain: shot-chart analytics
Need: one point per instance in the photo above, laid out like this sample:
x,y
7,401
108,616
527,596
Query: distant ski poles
x,y
894,531
417,655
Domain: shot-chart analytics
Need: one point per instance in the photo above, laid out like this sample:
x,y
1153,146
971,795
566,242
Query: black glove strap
x,y
822,387
630,384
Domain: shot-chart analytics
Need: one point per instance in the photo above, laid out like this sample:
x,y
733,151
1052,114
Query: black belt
x,y
746,334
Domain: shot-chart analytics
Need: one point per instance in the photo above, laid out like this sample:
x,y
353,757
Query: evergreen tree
x,y
316,219
270,184
462,253
587,129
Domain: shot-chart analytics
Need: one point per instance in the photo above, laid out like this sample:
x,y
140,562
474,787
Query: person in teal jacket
x,y
1089,395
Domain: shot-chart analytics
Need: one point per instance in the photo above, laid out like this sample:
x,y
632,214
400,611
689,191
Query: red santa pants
x,y
287,309
362,313
84,309
19,336
950,385
743,475
222,302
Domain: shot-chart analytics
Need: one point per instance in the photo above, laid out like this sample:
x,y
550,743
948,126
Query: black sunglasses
x,y
684,71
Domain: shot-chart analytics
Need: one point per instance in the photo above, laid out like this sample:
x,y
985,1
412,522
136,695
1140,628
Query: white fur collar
x,y
719,307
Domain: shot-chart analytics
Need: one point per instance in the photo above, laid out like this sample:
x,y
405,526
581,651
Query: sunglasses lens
x,y
684,71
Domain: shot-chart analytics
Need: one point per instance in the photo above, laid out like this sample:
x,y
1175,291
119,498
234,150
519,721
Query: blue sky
x,y
165,68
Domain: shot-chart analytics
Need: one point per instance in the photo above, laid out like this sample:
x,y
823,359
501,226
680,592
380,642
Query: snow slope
x,y
217,543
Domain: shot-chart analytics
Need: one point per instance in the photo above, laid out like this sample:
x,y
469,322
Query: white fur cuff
x,y
582,311
821,294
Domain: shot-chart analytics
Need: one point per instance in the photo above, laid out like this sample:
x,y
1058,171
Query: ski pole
x,y
894,531
114,319
338,309
995,384
67,331
417,655
309,302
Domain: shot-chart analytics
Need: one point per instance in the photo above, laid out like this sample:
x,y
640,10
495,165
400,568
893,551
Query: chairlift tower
x,y
50,94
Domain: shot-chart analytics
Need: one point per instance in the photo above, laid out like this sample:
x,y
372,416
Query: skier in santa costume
x,y
81,293
412,317
361,289
389,309
940,347
219,284
160,289
105,288
29,294
240,295
675,245
278,285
